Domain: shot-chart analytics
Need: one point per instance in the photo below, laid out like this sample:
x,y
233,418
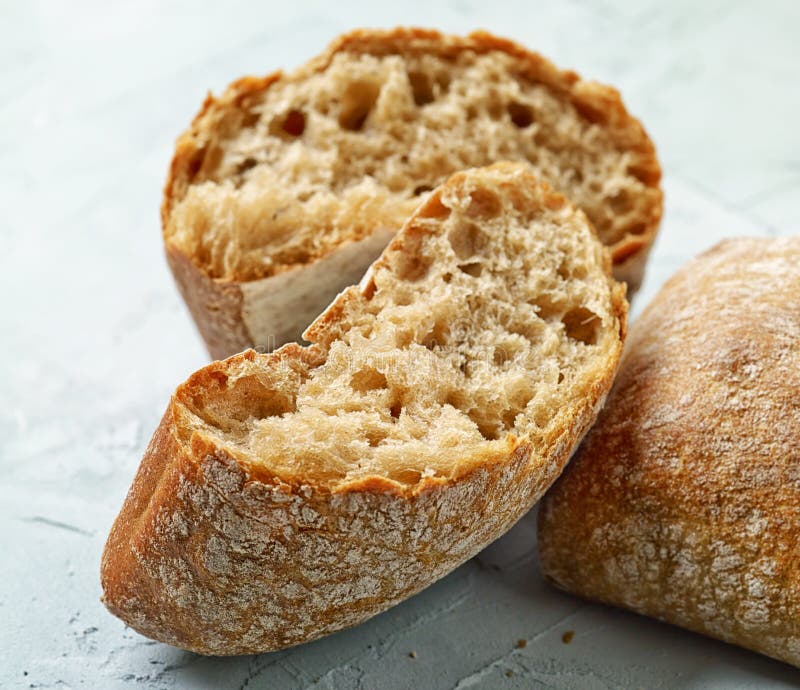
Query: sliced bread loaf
x,y
288,495
287,187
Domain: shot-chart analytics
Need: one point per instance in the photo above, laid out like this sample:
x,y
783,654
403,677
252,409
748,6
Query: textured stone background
x,y
93,336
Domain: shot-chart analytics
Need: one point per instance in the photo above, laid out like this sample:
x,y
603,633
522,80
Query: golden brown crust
x,y
684,501
208,558
594,101
215,552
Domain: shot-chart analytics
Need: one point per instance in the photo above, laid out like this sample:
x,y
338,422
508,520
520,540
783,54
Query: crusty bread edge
x,y
218,555
190,498
223,308
571,565
233,316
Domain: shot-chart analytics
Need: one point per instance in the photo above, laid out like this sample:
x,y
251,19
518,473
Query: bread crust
x,y
207,556
229,325
684,501
216,553
233,315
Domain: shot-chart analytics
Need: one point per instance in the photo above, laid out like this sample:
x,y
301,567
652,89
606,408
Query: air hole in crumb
x,y
412,268
474,268
410,263
250,118
486,428
521,115
369,290
447,277
563,269
368,379
407,476
375,436
395,410
437,336
508,417
541,417
421,88
579,272
212,158
483,204
403,338
275,406
245,399
292,124
500,356
304,196
196,162
357,102
247,164
434,208
560,376
455,399
495,109
295,123
546,307
467,240
621,202
422,189
582,324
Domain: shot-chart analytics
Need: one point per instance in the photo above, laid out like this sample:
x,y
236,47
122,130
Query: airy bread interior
x,y
489,318
354,142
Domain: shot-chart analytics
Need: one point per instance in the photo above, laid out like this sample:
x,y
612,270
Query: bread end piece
x,y
243,308
683,502
222,552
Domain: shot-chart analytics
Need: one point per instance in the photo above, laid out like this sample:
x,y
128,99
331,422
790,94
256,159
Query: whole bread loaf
x,y
285,188
683,503
288,495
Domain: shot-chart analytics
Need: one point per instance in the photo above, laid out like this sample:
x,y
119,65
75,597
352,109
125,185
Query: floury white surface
x,y
93,336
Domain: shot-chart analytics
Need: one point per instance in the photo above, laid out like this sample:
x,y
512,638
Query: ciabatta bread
x,y
684,501
288,495
287,187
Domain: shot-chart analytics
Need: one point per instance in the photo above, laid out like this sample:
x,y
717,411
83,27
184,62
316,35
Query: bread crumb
x,y
521,644
413,655
566,638
509,674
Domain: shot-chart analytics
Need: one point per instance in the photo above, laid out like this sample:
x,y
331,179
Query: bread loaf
x,y
683,503
288,495
287,187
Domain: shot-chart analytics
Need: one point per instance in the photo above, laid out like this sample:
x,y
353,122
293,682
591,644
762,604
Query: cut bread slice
x,y
684,501
288,495
287,187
